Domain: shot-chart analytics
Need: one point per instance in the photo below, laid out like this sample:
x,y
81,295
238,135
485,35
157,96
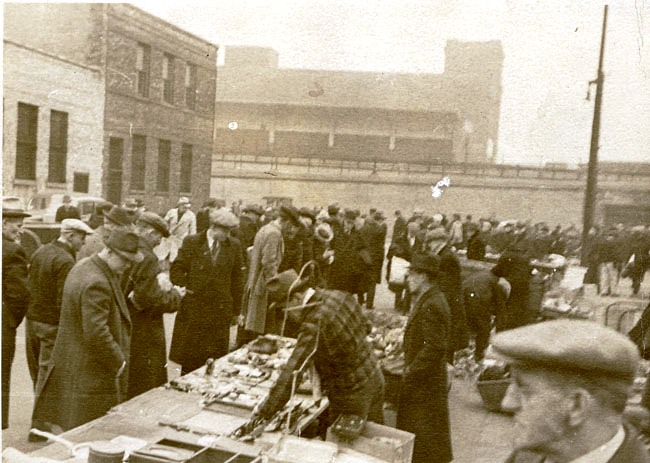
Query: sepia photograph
x,y
309,231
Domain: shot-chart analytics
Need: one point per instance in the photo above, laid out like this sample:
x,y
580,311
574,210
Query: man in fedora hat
x,y
48,271
15,295
266,257
374,236
209,266
66,210
570,385
116,218
423,408
332,324
89,370
148,300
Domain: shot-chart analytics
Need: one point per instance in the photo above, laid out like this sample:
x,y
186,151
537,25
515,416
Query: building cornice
x,y
53,56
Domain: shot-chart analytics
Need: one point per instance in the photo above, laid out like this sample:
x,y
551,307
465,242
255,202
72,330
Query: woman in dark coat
x,y
423,408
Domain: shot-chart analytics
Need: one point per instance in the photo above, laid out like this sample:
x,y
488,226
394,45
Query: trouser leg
x,y
32,348
370,301
8,351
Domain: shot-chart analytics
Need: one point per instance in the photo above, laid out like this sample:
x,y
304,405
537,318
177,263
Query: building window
x,y
143,66
186,168
58,147
26,141
168,78
190,85
164,158
80,182
138,154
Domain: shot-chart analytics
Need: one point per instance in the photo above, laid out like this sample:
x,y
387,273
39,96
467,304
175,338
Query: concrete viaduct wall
x,y
536,194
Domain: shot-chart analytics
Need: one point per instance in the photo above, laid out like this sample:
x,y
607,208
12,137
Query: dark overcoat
x,y
92,343
15,299
147,305
214,292
351,262
375,237
423,408
451,285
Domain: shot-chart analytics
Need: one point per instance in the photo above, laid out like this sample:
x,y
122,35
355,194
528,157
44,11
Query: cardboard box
x,y
383,442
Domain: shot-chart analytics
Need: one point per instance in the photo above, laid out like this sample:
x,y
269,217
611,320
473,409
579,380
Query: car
x,y
43,207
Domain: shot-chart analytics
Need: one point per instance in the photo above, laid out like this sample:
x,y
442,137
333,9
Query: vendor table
x,y
170,413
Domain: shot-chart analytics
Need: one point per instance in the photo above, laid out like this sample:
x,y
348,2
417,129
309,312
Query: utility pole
x,y
591,191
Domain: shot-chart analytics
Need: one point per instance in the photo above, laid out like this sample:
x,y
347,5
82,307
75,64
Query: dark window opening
x,y
190,85
164,159
58,147
138,163
26,141
80,182
143,67
186,169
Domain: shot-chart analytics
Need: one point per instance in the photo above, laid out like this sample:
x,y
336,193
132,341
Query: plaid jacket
x,y
344,359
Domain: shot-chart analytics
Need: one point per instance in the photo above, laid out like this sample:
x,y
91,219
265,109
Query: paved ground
x,y
478,436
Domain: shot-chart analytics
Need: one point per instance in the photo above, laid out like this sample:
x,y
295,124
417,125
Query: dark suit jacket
x,y
92,343
630,451
213,298
15,292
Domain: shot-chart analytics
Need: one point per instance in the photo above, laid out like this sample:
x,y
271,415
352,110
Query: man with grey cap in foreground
x,y
571,381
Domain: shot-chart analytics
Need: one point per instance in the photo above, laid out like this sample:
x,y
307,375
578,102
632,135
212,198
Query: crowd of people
x,y
94,300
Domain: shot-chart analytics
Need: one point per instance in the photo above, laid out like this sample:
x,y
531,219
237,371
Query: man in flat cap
x,y
570,384
374,236
265,260
15,295
148,295
209,267
181,220
48,270
88,374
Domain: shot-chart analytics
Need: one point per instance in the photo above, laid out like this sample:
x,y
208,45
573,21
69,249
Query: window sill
x,y
137,192
56,185
163,193
24,182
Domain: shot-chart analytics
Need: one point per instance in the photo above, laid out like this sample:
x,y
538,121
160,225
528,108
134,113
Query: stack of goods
x,y
557,305
241,379
386,339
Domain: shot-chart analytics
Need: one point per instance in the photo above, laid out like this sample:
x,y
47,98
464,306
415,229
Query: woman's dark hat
x,y
306,212
425,263
154,220
124,243
119,216
290,213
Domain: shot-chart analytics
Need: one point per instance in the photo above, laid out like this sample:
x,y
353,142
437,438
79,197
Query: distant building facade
x,y
418,118
157,96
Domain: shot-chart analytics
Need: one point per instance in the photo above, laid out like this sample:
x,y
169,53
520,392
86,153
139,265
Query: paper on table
x,y
215,422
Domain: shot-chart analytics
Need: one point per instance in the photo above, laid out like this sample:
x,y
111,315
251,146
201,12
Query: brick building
x,y
158,95
450,117
53,113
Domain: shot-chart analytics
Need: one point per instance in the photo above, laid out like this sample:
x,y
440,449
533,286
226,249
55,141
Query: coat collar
x,y
419,302
114,282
